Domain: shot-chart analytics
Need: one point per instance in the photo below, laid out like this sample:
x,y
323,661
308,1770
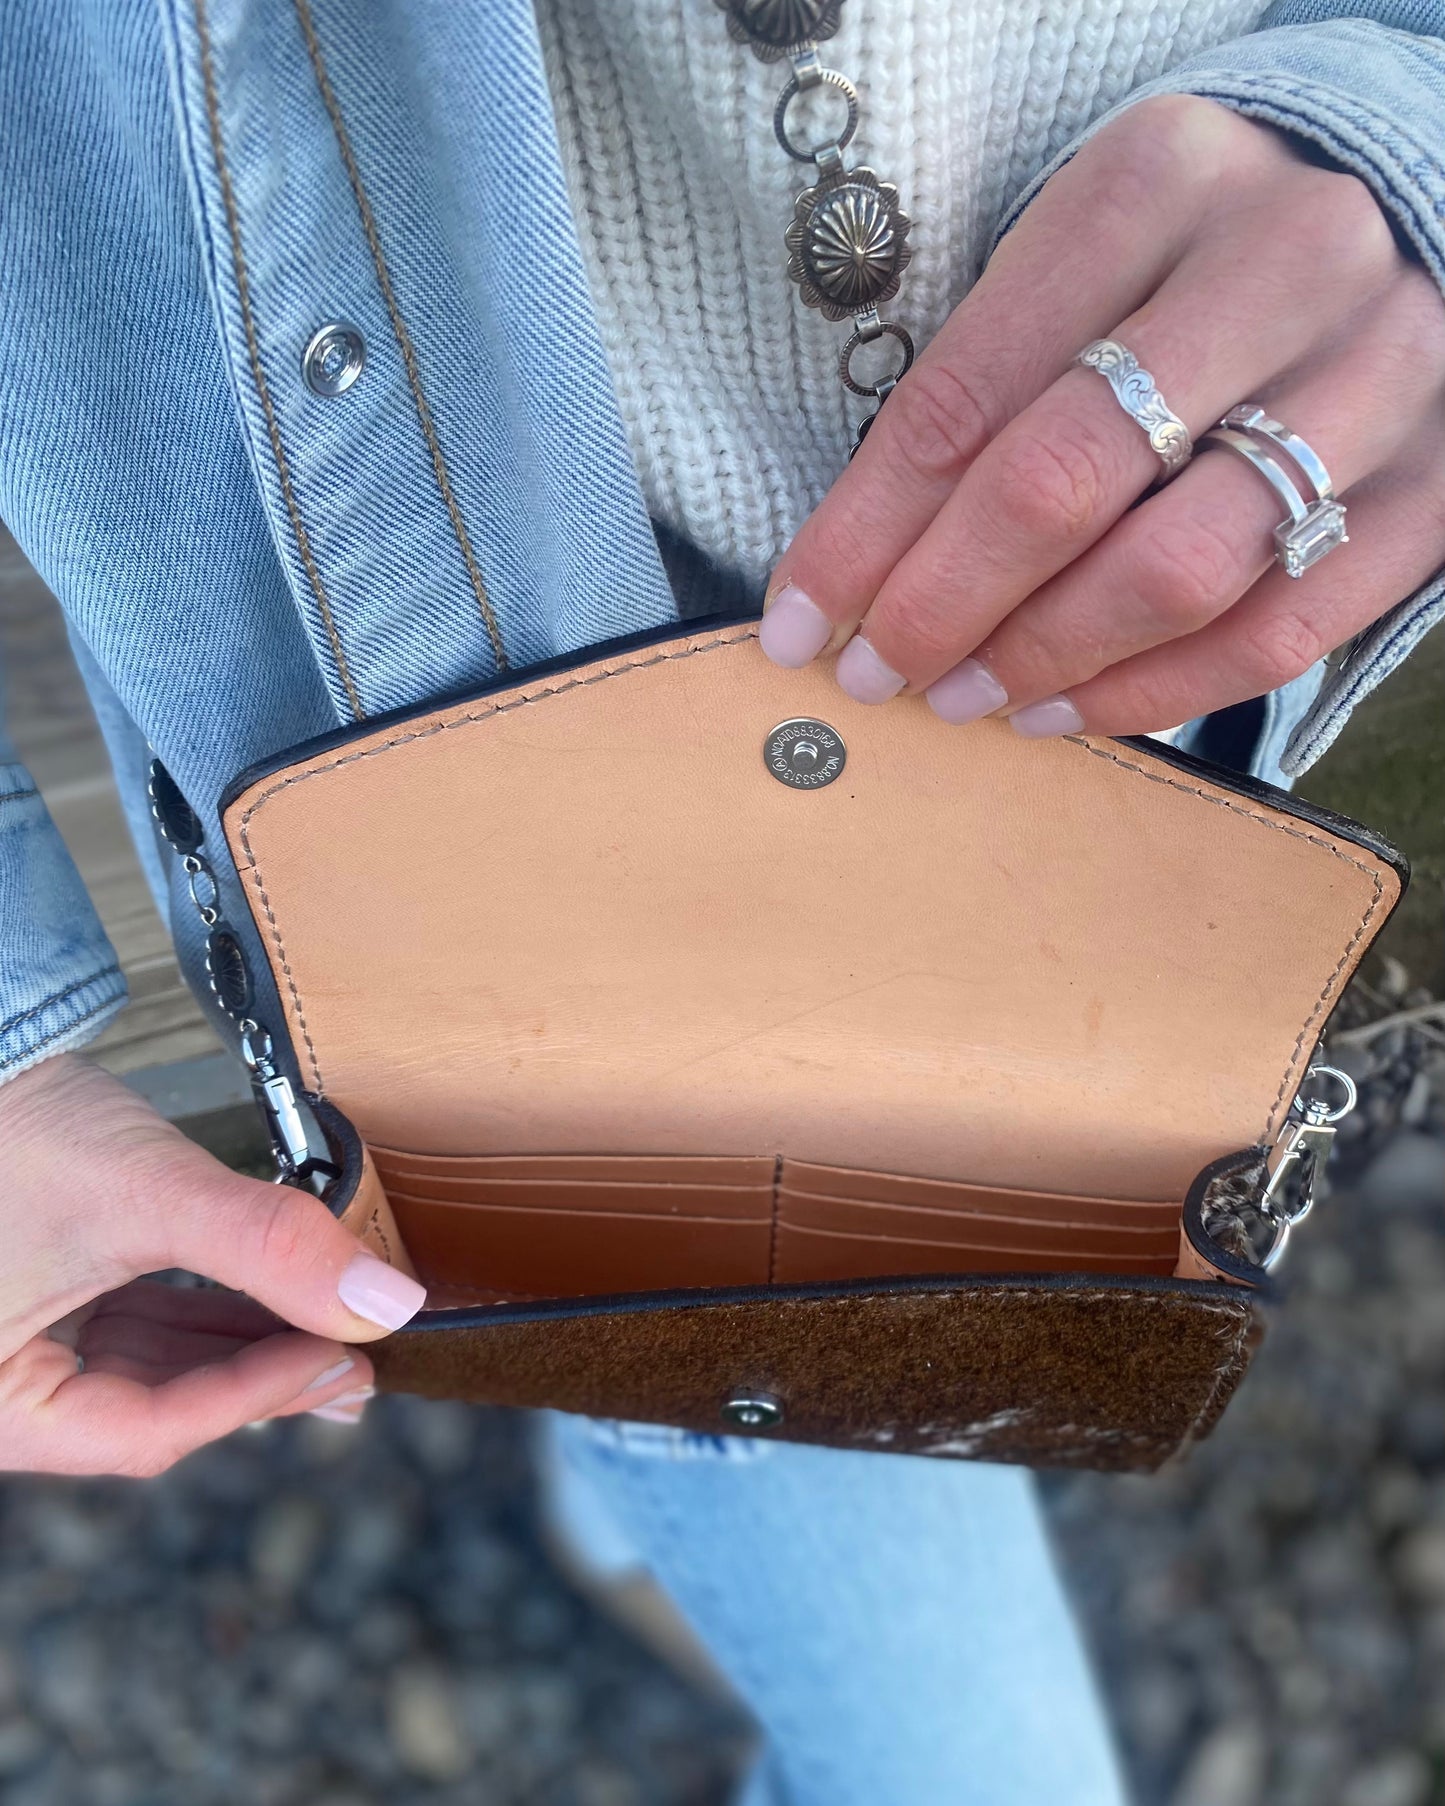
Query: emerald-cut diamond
x,y
1305,542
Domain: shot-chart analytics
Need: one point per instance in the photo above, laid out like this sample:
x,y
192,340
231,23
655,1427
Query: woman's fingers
x,y
1281,627
141,1326
1186,554
61,1420
279,1244
1048,290
1223,325
995,468
105,1191
184,1307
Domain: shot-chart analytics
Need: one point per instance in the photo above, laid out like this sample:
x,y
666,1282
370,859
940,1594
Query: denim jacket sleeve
x,y
1365,83
59,979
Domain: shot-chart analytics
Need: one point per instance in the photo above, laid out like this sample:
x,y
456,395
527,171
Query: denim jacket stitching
x,y
403,336
14,1022
258,375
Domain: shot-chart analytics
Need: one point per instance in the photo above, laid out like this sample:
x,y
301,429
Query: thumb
x,y
281,1246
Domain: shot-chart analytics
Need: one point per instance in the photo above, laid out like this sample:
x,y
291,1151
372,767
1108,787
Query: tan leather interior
x,y
369,1217
617,1010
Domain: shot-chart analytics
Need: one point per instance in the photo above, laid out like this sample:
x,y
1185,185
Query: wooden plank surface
x,y
49,718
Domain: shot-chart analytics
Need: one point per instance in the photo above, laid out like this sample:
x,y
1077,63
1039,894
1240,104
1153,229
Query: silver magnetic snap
x,y
805,754
334,359
753,1411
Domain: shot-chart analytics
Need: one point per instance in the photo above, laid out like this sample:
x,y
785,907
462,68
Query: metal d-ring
x,y
1314,1109
882,389
794,87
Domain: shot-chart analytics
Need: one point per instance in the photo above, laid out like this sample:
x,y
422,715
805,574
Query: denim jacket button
x,y
334,359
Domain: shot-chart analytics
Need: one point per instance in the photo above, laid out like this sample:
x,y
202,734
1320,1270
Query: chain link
x,y
848,240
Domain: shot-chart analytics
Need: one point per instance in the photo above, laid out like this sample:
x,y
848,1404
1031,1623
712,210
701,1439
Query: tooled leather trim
x,y
253,353
526,700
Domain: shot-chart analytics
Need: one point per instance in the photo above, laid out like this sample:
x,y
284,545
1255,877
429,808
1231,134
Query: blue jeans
x,y
894,1624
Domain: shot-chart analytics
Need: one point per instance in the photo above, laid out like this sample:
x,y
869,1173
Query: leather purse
x,y
725,1054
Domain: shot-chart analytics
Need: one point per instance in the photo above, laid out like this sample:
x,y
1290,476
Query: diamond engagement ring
x,y
1314,527
1135,392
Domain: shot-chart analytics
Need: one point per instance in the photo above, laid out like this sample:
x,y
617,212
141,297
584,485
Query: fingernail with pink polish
x,y
346,1409
794,630
373,1290
1054,715
864,675
331,1375
966,693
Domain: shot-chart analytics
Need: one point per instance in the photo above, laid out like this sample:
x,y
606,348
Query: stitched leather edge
x,y
253,353
426,733
1318,1013
528,699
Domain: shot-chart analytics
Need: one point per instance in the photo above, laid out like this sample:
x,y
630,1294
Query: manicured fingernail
x,y
864,675
329,1414
794,630
379,1293
331,1375
1054,715
966,693
346,1409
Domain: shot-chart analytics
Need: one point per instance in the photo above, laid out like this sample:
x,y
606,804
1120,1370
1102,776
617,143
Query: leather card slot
x,y
611,1212
802,1254
745,1203
803,1176
556,1253
956,1229
1081,1215
615,1169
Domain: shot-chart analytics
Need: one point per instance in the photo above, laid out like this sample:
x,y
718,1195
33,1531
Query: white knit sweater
x,y
728,386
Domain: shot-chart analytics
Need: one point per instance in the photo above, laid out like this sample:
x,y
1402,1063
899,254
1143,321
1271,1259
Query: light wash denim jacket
x,y
244,564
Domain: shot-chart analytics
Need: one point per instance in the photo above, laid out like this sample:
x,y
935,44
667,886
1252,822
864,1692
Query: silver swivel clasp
x,y
1299,1156
276,1099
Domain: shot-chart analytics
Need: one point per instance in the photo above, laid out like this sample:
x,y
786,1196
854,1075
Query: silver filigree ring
x,y
1135,392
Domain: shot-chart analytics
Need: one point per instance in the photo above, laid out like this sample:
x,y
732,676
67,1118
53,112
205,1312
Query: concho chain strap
x,y
848,239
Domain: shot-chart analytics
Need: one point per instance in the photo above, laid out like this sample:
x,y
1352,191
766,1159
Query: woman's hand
x,y
984,546
104,1372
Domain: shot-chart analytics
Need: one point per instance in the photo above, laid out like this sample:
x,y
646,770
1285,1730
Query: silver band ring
x,y
1135,392
1314,528
1250,418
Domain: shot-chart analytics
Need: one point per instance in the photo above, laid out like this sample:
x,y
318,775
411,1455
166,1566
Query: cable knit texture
x,y
728,386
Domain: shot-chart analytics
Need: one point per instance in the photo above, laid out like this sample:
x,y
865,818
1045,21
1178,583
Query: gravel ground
x,y
1270,1615
311,1616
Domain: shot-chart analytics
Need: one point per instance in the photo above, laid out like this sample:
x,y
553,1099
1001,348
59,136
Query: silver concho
x,y
775,27
804,753
848,243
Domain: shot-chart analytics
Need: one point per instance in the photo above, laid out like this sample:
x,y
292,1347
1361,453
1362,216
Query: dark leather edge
x,y
346,1149
540,1310
1253,788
